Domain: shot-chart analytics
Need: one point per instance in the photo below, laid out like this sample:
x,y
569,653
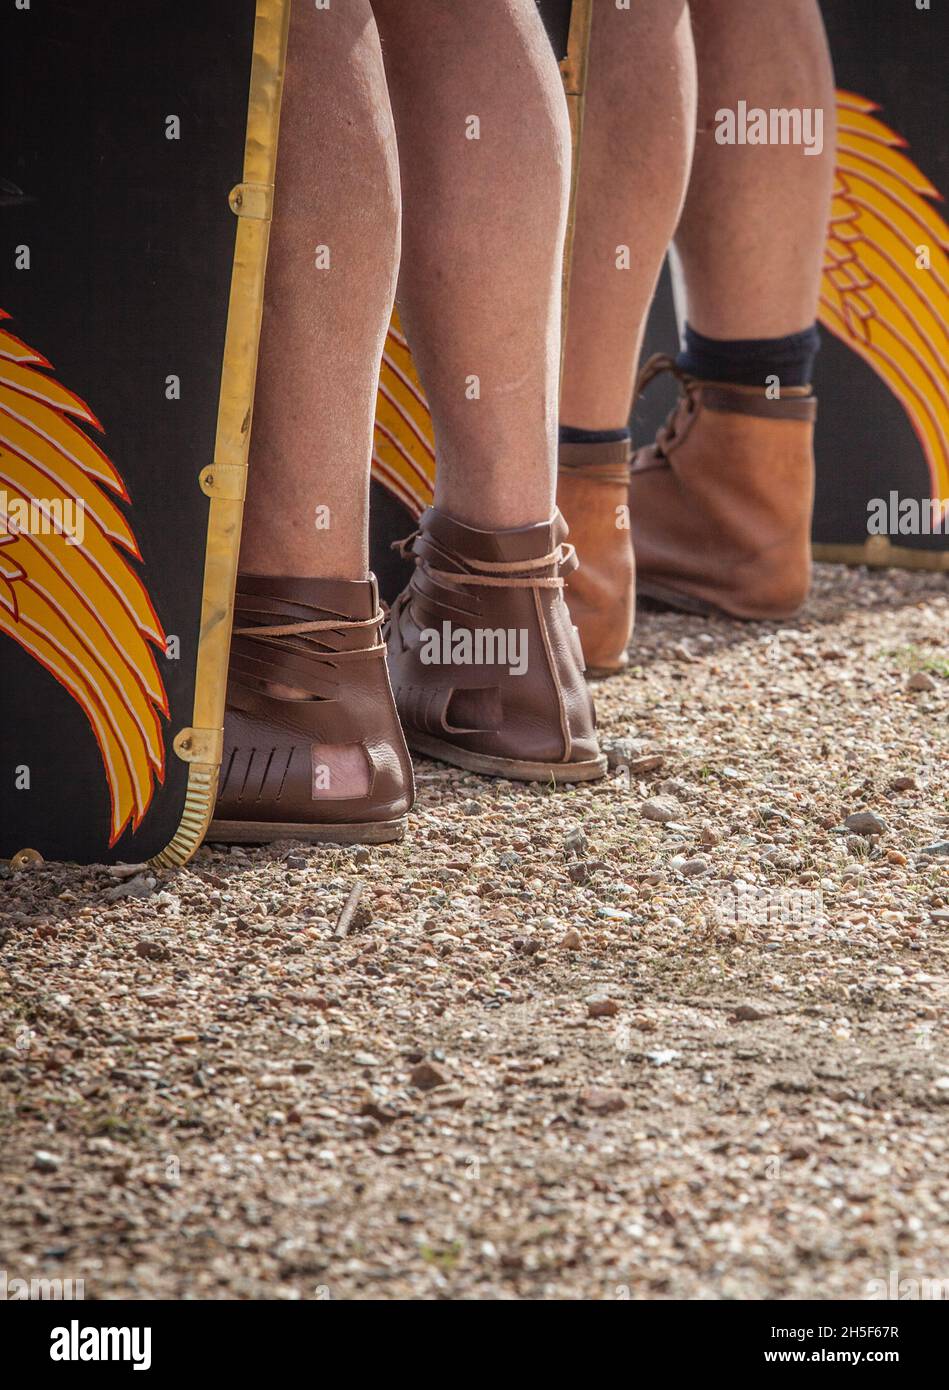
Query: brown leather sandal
x,y
720,503
593,495
313,749
486,663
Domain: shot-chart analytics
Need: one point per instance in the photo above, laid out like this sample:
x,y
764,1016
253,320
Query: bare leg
x,y
479,291
336,188
752,234
637,149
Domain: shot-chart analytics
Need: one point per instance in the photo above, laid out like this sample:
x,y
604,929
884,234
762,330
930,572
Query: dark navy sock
x,y
568,435
749,361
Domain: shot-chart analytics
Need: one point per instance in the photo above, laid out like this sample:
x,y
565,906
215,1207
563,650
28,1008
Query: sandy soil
x,y
680,1034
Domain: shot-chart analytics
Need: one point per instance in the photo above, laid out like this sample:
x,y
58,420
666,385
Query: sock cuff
x,y
748,361
570,435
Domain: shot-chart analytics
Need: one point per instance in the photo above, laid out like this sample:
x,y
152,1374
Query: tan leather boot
x,y
592,494
485,660
312,744
720,504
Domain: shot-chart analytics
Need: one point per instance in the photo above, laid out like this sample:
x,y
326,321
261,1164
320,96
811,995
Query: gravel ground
x,y
682,1034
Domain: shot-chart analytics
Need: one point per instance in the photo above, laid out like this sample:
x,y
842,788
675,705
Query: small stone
x,y
184,1038
598,1007
902,784
471,808
46,1162
689,868
621,752
662,1056
426,1076
365,1059
893,856
747,1013
451,1100
614,914
940,847
660,809
141,886
579,872
673,788
602,1102
528,945
152,950
361,855
295,861
710,838
865,823
575,841
920,680
572,940
383,1115
651,762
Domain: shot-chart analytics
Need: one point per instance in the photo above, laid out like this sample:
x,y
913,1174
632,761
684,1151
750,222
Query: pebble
x,y
141,886
572,940
46,1162
152,950
663,1056
620,752
940,847
660,809
575,841
426,1076
673,788
920,680
865,823
598,1007
689,868
748,1013
600,1101
652,762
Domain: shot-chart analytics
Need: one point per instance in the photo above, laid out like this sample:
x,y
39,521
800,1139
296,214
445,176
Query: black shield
x,y
132,244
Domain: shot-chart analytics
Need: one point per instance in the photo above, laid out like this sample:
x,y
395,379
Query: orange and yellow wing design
x,y
403,451
68,594
885,288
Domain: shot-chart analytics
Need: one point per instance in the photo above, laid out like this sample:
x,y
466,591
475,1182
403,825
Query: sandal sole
x,y
238,832
516,769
